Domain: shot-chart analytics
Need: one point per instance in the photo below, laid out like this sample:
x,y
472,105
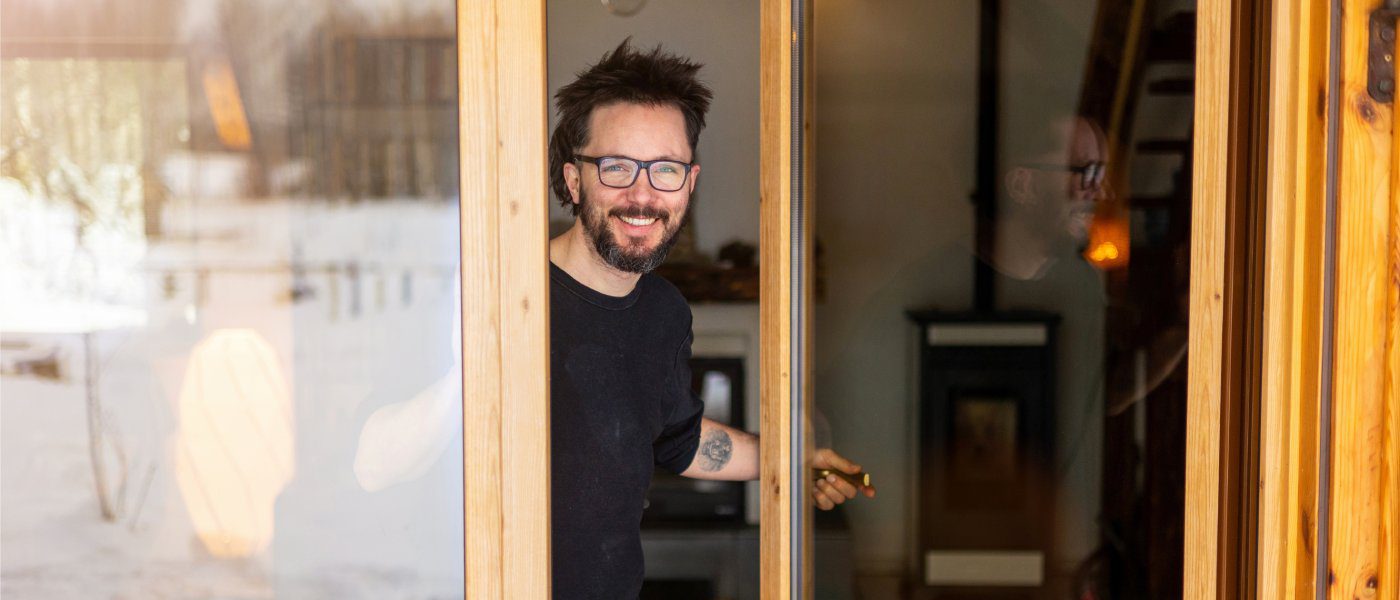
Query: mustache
x,y
641,212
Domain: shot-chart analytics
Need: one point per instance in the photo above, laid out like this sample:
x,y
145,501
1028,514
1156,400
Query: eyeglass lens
x,y
1091,175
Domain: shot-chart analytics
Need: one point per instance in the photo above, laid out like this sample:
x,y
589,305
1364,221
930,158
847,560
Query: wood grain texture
x,y
1389,550
775,322
505,337
481,358
1203,431
1388,568
1363,322
522,207
1293,302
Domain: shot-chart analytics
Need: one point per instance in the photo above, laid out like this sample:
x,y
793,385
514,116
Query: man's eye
x,y
668,169
615,168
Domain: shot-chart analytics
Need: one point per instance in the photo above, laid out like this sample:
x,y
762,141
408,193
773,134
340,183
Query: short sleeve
x,y
675,448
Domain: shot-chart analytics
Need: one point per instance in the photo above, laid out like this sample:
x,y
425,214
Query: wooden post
x,y
505,297
778,522
1363,548
1204,433
1295,204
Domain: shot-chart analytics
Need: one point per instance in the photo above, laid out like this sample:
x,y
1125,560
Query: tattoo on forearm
x,y
715,450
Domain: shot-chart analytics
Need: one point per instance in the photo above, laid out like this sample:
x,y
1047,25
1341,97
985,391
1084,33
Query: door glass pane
x,y
1000,313
698,538
228,244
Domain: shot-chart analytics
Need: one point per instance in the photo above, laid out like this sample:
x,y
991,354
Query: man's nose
x,y
641,188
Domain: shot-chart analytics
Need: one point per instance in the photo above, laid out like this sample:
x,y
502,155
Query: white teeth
x,y
638,222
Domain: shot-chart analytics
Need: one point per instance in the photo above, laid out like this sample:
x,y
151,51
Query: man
x,y
1051,196
622,159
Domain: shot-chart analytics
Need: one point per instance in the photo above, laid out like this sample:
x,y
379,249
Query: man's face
x,y
1081,196
632,228
1060,197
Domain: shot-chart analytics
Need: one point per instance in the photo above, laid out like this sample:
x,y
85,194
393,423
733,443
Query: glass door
x,y
995,309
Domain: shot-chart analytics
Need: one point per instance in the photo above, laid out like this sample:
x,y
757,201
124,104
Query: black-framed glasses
x,y
621,171
1090,174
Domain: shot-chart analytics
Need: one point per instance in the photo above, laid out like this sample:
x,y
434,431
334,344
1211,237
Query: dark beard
x,y
600,231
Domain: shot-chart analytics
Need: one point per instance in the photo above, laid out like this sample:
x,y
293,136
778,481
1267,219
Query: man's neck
x,y
573,252
1021,251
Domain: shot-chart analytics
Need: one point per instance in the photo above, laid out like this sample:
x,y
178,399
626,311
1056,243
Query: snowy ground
x,y
359,341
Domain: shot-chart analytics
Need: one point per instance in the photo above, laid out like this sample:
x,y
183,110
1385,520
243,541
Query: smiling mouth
x,y
638,221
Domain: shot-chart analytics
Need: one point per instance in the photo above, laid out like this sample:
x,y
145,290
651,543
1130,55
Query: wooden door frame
x,y
1359,546
1329,508
1328,515
1289,453
505,313
503,114
785,250
1229,326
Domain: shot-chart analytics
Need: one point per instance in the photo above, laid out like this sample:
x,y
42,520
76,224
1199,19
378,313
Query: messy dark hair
x,y
656,78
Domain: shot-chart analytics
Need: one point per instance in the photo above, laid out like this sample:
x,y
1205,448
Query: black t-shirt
x,y
620,404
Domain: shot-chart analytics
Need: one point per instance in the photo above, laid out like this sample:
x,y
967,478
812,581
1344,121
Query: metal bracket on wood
x,y
1380,56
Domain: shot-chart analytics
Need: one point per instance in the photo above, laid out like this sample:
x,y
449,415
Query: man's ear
x,y
571,180
694,175
1020,186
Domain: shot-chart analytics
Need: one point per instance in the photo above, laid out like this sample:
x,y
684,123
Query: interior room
x,y
230,244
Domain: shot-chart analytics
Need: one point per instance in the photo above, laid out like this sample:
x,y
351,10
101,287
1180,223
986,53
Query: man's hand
x,y
729,454
833,490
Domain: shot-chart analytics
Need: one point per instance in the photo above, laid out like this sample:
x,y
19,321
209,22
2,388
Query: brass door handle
x,y
861,479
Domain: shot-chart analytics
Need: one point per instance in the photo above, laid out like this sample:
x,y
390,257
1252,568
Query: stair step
x,y
1164,146
1172,87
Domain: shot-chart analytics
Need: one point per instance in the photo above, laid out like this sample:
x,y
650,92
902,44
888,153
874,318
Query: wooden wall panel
x,y
505,301
775,296
1364,396
1204,409
1293,302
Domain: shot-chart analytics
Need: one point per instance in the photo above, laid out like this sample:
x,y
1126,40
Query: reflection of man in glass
x,y
1052,188
1051,193
622,159
1051,178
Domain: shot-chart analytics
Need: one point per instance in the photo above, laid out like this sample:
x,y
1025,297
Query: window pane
x,y
228,244
1000,334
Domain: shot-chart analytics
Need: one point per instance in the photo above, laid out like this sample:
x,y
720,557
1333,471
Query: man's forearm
x,y
725,453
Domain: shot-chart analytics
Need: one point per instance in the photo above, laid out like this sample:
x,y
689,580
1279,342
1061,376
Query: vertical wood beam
x,y
505,302
1289,452
1362,543
480,285
775,297
1204,409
